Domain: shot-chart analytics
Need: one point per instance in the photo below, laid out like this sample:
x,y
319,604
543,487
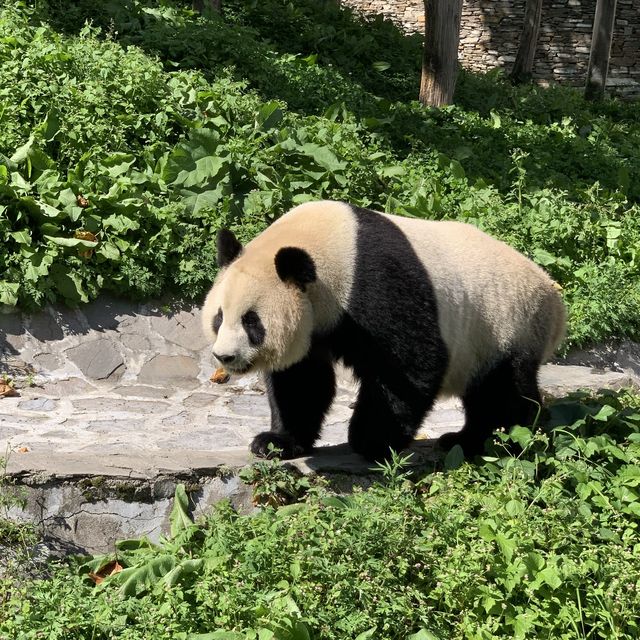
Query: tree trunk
x,y
523,66
440,54
214,5
600,49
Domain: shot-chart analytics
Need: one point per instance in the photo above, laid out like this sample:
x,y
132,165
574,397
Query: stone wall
x,y
490,32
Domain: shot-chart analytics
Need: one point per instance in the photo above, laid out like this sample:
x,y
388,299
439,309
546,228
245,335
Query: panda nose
x,y
224,359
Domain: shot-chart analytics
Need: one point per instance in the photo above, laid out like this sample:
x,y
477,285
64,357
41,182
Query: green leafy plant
x,y
542,543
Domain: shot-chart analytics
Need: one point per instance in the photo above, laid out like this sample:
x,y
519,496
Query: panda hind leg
x,y
383,421
299,398
505,396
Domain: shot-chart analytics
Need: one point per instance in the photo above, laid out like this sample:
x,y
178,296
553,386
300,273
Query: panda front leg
x,y
299,397
385,420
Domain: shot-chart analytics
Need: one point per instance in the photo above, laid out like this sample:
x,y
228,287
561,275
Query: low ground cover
x,y
540,544
126,141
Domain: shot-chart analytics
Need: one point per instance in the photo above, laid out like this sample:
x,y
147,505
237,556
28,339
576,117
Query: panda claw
x,y
276,445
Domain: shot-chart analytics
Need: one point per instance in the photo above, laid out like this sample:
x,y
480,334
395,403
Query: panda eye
x,y
254,328
217,321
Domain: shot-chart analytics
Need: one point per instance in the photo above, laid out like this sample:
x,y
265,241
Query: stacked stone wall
x,y
490,32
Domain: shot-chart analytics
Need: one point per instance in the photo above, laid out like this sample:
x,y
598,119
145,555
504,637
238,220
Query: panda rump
x,y
416,308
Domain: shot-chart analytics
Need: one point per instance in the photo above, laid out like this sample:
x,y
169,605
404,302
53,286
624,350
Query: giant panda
x,y
416,308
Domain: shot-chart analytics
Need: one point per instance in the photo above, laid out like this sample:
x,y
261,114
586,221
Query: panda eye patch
x,y
217,321
253,327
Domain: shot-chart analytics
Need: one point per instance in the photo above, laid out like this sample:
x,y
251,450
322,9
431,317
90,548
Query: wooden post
x,y
600,49
440,54
523,66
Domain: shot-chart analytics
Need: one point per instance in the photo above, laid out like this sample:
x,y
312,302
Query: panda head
x,y
258,314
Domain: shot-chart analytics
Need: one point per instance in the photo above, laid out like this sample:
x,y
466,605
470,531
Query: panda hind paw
x,y
276,445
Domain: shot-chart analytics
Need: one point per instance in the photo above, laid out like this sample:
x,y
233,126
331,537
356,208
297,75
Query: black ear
x,y
228,248
295,265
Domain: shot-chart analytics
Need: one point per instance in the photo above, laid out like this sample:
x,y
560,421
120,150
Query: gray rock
x,y
173,371
11,420
43,327
114,426
560,380
199,400
107,313
48,361
67,387
628,357
143,391
249,405
11,333
97,359
71,321
7,432
182,419
38,404
119,405
204,440
136,342
181,328
226,421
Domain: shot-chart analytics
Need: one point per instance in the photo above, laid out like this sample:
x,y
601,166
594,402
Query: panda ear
x,y
296,266
227,248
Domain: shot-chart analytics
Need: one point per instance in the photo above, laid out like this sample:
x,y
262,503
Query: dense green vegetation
x,y
126,141
543,544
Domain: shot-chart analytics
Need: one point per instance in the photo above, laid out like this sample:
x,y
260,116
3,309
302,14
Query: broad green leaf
x,y
134,580
22,153
381,65
9,293
507,545
109,251
604,414
392,171
71,242
51,125
454,459
550,575
180,518
323,156
68,283
20,183
120,223
423,634
184,568
269,115
194,202
544,258
521,435
21,237
117,164
38,266
514,507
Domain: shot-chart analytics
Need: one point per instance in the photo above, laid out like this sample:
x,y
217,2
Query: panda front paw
x,y
276,445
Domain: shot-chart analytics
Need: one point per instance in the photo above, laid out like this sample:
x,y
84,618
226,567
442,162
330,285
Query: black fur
x,y
217,321
389,335
227,248
505,395
295,265
299,398
254,328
